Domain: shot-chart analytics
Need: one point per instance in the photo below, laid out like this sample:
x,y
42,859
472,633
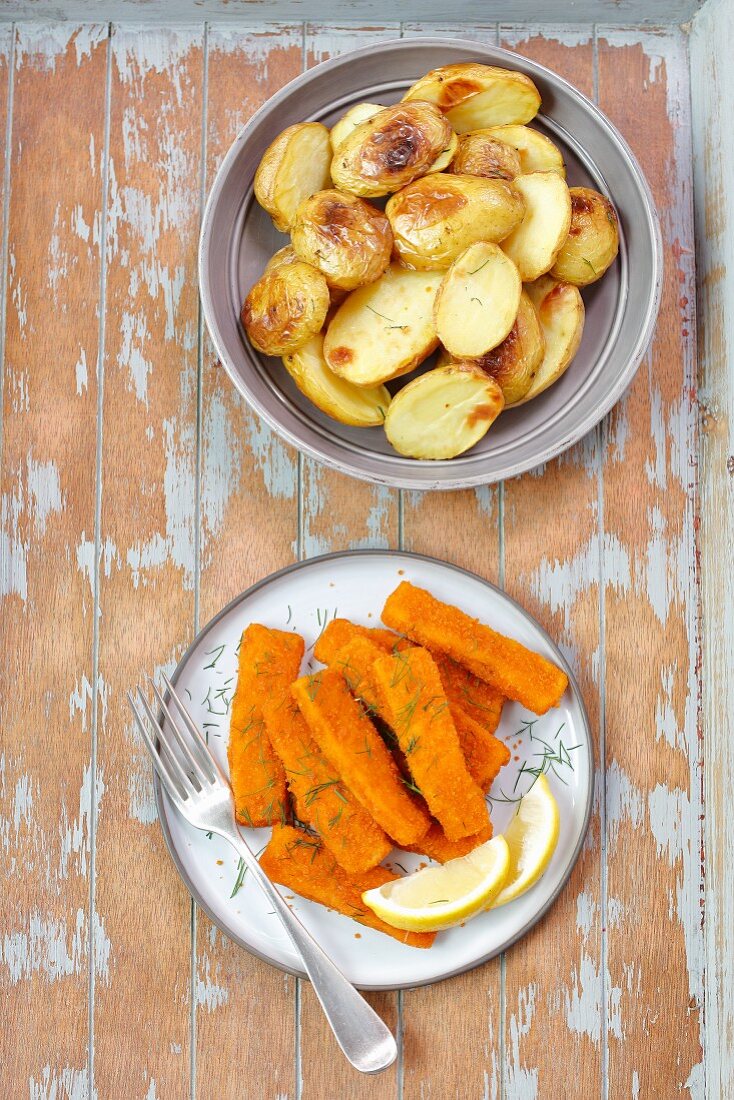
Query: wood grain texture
x,y
48,509
712,88
553,980
147,542
654,980
339,513
248,527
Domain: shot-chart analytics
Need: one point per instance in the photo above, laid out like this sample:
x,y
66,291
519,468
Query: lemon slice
x,y
531,836
440,897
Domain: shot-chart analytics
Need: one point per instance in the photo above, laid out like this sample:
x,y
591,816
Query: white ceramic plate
x,y
355,585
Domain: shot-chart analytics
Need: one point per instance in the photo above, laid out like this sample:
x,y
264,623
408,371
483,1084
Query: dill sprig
x,y
218,650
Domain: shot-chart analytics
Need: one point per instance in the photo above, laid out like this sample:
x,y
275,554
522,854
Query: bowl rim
x,y
444,480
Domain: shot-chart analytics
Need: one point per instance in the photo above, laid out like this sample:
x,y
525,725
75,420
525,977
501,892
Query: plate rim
x,y
444,481
376,552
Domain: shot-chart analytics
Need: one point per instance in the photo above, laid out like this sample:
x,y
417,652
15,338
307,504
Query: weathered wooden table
x,y
139,495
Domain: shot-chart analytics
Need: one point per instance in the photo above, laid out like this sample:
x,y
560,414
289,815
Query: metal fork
x,y
202,794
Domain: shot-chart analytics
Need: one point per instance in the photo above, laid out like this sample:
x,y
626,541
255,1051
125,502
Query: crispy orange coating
x,y
507,665
298,861
255,771
436,845
322,801
476,698
340,632
484,753
357,752
411,691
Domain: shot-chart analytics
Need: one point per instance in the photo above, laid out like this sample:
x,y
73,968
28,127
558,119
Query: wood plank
x,y
654,984
452,1031
147,541
712,85
48,516
248,524
340,513
553,979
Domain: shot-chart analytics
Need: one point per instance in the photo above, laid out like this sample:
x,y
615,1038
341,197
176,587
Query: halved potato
x,y
359,406
593,239
481,154
390,150
434,219
346,238
474,96
285,308
478,301
443,413
446,156
560,310
385,329
514,364
356,115
534,245
537,153
294,166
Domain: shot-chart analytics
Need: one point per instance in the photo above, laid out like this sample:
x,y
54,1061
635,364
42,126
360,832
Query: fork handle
x,y
363,1037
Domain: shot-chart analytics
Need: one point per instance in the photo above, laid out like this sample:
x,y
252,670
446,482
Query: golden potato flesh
x,y
285,308
346,238
436,218
537,153
357,114
481,154
475,96
514,364
560,310
359,406
385,329
593,239
391,149
534,245
443,413
283,256
292,168
478,301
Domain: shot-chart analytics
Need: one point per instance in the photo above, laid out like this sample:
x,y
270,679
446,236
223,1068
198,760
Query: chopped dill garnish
x,y
290,615
219,650
476,269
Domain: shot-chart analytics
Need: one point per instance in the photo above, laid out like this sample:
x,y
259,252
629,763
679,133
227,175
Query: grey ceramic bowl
x,y
237,239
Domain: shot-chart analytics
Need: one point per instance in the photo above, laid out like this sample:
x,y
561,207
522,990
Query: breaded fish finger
x,y
507,665
298,861
357,752
341,631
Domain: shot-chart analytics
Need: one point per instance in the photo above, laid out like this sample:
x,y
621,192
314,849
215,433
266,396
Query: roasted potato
x,y
593,239
474,96
436,218
357,114
292,168
360,406
443,413
385,329
535,244
478,301
283,256
285,308
446,156
560,310
391,149
346,238
537,153
481,154
514,363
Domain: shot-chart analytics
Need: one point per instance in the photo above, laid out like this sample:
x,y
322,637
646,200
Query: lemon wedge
x,y
442,896
531,836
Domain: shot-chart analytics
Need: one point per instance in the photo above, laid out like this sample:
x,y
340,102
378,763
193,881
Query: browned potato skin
x,y
396,146
480,154
593,239
285,308
267,176
347,239
514,363
423,217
